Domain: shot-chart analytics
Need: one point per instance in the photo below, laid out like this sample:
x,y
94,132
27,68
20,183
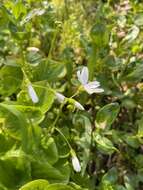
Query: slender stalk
x,y
52,127
75,94
64,138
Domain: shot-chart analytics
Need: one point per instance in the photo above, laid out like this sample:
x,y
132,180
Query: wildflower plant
x,y
71,108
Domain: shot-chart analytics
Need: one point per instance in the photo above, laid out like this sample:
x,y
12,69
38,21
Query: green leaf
x,y
39,184
57,173
107,186
120,187
2,187
107,115
10,80
6,143
18,9
111,176
46,99
104,145
48,70
31,112
50,149
100,34
139,19
139,161
14,168
6,16
129,186
131,140
59,186
135,75
45,94
21,122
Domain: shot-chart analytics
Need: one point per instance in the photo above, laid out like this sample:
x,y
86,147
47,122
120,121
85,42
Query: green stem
x,y
39,86
23,65
52,128
76,93
115,81
64,138
57,118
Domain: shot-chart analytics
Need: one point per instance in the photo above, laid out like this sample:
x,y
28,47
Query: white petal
x,y
91,90
93,84
76,164
78,105
32,94
83,75
88,89
98,90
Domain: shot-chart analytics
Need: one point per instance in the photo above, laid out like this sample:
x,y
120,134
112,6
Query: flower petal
x,y
32,94
76,164
60,97
91,90
98,90
78,105
94,84
83,75
88,89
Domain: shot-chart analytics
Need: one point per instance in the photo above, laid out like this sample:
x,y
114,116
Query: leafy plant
x,y
71,107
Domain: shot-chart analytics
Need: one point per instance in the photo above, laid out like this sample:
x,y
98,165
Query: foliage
x,y
49,124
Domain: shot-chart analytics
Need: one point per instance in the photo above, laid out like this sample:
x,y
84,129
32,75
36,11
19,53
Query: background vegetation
x,y
44,44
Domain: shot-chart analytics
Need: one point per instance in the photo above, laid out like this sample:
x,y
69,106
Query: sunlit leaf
x,y
39,184
107,115
104,144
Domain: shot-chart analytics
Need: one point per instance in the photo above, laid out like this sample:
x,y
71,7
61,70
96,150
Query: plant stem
x,y
58,130
52,128
57,118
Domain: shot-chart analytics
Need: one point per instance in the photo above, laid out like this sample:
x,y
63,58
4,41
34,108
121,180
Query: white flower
x,y
61,99
90,87
32,94
76,164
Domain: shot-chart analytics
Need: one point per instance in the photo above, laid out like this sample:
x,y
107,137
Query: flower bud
x,y
60,97
75,162
32,94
